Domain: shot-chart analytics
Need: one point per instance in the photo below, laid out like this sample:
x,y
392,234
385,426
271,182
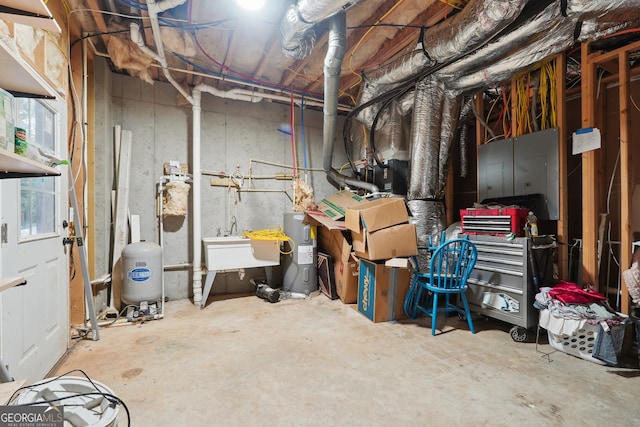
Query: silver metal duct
x,y
332,67
297,35
450,114
477,23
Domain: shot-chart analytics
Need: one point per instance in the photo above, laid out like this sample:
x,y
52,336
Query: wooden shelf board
x,y
15,166
10,282
45,21
18,76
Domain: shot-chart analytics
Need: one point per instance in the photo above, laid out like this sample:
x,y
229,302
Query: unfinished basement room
x,y
319,213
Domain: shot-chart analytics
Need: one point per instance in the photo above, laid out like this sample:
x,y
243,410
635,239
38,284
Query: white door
x,y
35,317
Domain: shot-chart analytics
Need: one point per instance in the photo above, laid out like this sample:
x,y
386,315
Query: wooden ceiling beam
x,y
274,45
232,43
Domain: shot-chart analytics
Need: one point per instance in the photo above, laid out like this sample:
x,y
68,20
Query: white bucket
x,y
93,410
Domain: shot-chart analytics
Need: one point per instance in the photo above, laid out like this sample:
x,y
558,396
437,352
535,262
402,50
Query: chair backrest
x,y
451,264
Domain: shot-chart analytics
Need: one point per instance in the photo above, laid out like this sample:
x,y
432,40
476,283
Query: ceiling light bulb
x,y
251,4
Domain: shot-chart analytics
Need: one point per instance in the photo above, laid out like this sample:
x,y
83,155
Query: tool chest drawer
x,y
500,284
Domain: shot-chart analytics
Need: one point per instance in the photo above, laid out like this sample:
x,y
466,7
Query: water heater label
x,y
305,255
140,274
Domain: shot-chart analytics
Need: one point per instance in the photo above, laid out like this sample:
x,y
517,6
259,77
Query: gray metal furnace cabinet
x,y
501,284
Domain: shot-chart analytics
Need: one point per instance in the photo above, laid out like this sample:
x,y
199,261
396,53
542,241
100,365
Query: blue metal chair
x,y
449,268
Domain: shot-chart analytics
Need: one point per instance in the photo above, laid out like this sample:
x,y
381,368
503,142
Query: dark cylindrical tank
x,y
300,267
141,273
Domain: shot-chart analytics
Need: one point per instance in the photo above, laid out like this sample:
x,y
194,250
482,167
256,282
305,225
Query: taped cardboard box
x,y
391,242
378,299
376,215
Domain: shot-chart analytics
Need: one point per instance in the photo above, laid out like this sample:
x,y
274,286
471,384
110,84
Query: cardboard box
x,y
379,300
346,274
345,264
376,215
335,206
7,130
396,241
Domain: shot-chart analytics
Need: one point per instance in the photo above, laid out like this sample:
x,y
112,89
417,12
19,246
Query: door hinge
x,y
3,233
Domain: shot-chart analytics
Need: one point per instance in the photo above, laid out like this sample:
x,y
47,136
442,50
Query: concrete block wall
x,y
233,132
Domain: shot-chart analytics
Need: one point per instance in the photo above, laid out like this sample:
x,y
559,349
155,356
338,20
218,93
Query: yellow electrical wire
x,y
271,234
553,93
355,48
544,92
455,4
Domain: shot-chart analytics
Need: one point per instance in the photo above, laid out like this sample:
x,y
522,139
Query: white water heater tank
x,y
142,273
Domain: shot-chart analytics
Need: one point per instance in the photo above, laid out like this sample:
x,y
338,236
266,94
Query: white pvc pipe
x,y
153,9
235,94
197,218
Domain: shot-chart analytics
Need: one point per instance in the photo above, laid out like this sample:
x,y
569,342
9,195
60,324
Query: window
x,y
37,195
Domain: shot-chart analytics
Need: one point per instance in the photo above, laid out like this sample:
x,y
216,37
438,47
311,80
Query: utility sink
x,y
236,252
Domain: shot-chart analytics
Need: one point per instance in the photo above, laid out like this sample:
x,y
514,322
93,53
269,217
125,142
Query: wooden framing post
x,y
589,175
563,220
625,176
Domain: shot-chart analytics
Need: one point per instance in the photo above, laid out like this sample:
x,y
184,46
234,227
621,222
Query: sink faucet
x,y
234,224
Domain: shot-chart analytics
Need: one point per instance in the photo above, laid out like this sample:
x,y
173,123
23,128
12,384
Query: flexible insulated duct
x,y
425,139
477,23
547,33
297,34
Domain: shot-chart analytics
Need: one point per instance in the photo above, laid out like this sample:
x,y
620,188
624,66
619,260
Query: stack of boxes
x,y
365,247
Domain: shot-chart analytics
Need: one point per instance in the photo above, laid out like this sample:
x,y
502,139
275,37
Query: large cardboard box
x,y
377,300
376,215
335,206
345,264
395,241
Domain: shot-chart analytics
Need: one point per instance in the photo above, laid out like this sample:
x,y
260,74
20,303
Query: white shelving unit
x,y
15,166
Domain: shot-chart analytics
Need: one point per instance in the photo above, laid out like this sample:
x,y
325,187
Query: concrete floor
x,y
246,362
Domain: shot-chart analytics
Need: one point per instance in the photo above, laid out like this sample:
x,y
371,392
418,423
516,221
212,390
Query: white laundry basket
x,y
579,344
92,409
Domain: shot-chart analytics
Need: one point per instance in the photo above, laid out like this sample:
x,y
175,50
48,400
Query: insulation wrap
x,y
473,26
296,36
425,139
450,114
318,11
428,216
